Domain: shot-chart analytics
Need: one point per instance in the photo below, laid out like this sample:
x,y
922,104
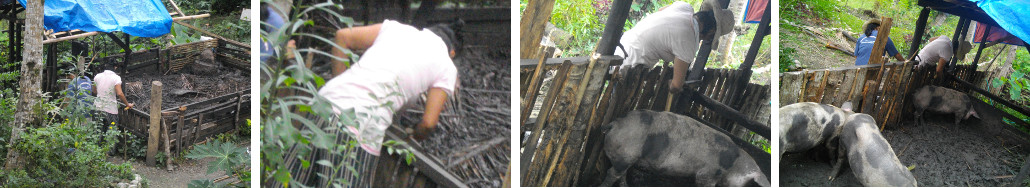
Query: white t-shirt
x,y
401,64
664,35
937,49
105,91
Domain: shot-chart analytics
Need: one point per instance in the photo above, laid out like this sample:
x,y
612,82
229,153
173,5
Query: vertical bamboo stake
x,y
155,121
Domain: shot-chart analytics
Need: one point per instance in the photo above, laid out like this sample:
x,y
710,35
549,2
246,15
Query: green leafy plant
x,y
233,160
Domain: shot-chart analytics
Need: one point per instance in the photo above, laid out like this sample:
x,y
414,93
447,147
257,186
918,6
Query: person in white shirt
x,y
109,85
939,51
673,34
399,64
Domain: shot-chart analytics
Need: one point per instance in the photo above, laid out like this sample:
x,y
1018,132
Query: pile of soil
x,y
184,87
980,153
472,137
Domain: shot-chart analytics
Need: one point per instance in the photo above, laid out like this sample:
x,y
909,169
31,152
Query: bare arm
x,y
118,90
940,64
354,38
898,57
434,105
679,73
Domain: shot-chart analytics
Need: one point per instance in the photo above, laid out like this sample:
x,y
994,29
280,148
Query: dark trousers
x,y
107,120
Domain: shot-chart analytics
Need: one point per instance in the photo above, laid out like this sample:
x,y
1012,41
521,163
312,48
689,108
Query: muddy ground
x,y
975,153
191,86
473,134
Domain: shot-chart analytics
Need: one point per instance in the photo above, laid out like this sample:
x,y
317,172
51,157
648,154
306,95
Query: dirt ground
x,y
193,86
975,153
473,134
158,177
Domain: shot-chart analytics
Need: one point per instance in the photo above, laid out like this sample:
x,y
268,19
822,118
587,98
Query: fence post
x,y
155,121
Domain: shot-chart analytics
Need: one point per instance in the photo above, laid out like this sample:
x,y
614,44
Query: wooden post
x,y
168,147
155,121
920,30
882,35
531,29
613,27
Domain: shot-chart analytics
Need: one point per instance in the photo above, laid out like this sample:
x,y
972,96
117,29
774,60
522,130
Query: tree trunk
x,y
29,83
726,41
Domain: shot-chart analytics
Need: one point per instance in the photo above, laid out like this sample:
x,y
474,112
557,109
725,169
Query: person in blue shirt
x,y
864,48
78,93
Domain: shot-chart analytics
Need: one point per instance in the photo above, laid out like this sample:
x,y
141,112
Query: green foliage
x,y
70,155
787,59
579,19
305,121
233,160
227,7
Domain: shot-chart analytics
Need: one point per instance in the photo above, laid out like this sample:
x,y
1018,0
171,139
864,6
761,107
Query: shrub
x,y
68,155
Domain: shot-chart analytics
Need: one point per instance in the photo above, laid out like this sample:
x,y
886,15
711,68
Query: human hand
x,y
129,106
422,131
675,86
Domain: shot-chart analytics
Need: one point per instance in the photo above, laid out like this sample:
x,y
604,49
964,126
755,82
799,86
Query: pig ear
x,y
972,113
846,106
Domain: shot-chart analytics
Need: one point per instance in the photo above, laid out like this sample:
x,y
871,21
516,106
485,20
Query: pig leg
x,y
919,116
615,173
841,157
958,117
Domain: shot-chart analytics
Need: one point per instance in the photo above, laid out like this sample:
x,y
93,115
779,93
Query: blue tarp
x,y
1013,16
141,18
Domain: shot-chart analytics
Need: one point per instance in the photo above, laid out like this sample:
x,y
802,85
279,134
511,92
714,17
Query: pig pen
x,y
564,145
978,152
196,104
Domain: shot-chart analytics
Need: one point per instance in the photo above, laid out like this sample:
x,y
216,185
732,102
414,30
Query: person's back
x,y
663,35
401,64
106,82
79,89
864,48
934,51
403,59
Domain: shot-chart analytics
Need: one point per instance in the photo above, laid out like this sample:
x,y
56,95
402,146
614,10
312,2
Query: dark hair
x,y
706,21
264,11
111,66
449,33
869,28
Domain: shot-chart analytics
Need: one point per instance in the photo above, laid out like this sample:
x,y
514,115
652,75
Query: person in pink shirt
x,y
108,86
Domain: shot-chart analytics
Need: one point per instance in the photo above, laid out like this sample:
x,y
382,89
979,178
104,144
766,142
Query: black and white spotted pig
x,y
677,146
806,125
943,100
870,157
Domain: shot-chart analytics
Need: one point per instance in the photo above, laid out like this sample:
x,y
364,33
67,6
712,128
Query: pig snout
x,y
677,146
807,125
871,158
942,100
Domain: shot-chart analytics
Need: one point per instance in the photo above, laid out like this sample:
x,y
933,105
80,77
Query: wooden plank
x,y
845,87
586,98
531,28
529,149
529,97
881,42
815,82
790,87
833,81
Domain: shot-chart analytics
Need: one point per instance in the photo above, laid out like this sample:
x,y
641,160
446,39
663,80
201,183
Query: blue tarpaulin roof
x,y
142,18
1013,16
